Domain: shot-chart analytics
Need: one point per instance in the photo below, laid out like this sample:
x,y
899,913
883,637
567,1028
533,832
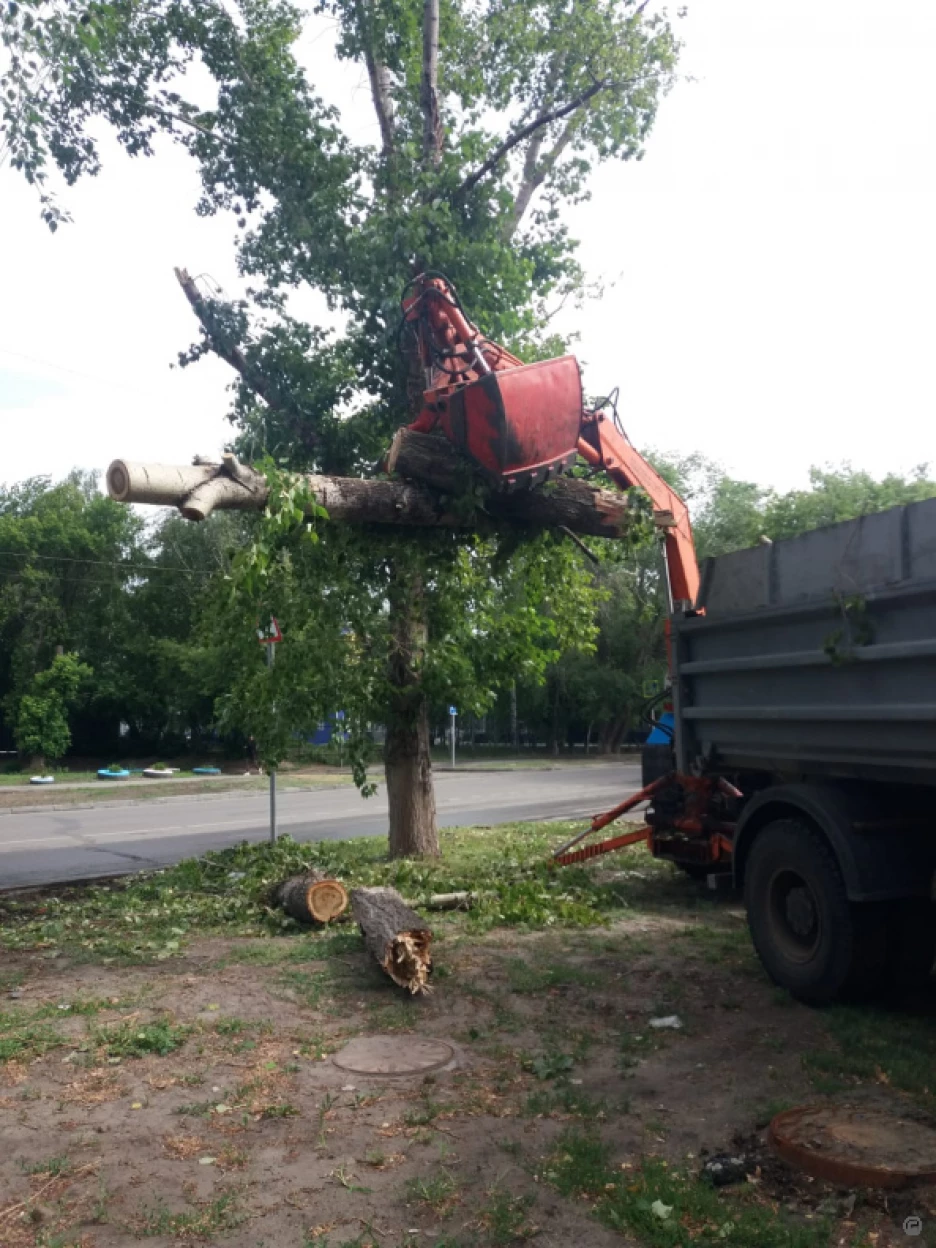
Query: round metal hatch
x,y
393,1055
855,1147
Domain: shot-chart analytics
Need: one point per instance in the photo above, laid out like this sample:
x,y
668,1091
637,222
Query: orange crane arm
x,y
525,423
603,446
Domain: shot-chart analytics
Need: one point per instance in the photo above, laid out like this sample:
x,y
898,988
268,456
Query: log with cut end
x,y
311,897
395,935
440,475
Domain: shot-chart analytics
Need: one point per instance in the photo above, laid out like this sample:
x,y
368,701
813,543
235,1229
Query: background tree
x,y
41,715
490,117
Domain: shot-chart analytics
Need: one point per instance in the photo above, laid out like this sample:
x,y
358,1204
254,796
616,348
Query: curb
x,y
159,801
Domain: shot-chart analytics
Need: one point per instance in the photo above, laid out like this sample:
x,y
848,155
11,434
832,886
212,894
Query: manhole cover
x,y
393,1055
855,1147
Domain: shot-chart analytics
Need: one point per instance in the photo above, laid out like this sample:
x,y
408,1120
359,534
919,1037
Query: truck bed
x,y
816,655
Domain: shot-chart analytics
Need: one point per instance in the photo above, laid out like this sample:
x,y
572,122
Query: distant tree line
x,y
114,641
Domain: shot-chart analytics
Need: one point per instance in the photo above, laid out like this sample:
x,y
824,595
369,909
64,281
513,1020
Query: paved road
x,y
43,847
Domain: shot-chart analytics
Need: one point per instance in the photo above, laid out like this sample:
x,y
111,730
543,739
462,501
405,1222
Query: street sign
x,y
270,635
452,710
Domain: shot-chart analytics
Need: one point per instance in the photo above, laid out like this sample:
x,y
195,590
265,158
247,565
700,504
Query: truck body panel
x,y
815,656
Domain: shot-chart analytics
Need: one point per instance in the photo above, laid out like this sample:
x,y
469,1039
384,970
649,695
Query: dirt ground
x,y
197,1099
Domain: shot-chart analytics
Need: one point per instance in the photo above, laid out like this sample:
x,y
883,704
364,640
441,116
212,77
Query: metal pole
x,y
453,738
271,659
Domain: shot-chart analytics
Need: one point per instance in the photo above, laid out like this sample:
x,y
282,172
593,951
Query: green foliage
x,y
41,716
529,101
149,918
493,609
132,1039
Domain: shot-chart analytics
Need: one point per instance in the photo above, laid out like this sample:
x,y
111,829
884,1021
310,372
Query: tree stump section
x,y
311,897
395,935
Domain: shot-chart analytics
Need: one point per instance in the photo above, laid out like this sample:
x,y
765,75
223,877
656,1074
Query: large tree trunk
x,y
407,761
199,489
397,936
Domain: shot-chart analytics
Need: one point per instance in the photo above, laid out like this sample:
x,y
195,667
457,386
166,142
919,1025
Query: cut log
x,y
430,459
311,897
199,489
395,935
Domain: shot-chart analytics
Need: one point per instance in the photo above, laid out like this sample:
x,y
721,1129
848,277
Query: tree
x,y
41,716
67,556
490,116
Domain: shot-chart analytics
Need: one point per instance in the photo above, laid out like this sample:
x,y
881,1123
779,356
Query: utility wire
x,y
104,563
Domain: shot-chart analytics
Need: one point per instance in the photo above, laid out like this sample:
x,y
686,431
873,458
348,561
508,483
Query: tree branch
x,y
231,354
429,89
379,77
199,489
544,119
534,176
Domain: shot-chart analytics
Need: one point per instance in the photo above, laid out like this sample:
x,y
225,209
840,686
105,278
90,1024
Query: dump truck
x,y
805,676
802,757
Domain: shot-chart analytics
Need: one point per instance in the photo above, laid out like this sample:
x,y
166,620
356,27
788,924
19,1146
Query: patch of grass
x,y
221,1214
504,1217
636,1045
440,1192
665,1208
146,918
527,976
876,1045
279,1109
130,1039
53,1166
196,1109
564,1101
423,1114
549,1065
721,944
21,1039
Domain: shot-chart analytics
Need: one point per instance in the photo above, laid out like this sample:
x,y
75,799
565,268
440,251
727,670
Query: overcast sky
x,y
770,265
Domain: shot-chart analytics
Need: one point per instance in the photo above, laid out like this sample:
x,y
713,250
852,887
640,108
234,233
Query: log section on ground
x,y
396,936
199,489
311,897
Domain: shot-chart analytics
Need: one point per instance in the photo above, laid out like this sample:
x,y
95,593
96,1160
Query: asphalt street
x,y
45,847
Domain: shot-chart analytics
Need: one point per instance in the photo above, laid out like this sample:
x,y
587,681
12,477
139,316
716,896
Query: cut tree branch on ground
x,y
311,897
198,489
396,936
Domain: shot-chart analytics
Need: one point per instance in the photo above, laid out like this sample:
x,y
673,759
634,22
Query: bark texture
x,y
312,897
407,760
397,937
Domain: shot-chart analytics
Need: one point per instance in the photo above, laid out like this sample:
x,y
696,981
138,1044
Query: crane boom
x,y
523,423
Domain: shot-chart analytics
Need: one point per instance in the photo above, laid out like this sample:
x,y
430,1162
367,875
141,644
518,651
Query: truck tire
x,y
808,936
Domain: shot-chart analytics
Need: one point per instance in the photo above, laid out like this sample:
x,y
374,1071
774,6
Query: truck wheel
x,y
809,938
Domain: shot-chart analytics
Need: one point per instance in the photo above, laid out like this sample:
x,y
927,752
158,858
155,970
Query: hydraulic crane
x,y
522,424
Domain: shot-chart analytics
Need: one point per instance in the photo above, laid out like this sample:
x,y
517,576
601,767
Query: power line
x,y
104,563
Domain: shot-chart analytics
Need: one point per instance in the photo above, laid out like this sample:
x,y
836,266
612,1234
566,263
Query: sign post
x,y
453,712
268,637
